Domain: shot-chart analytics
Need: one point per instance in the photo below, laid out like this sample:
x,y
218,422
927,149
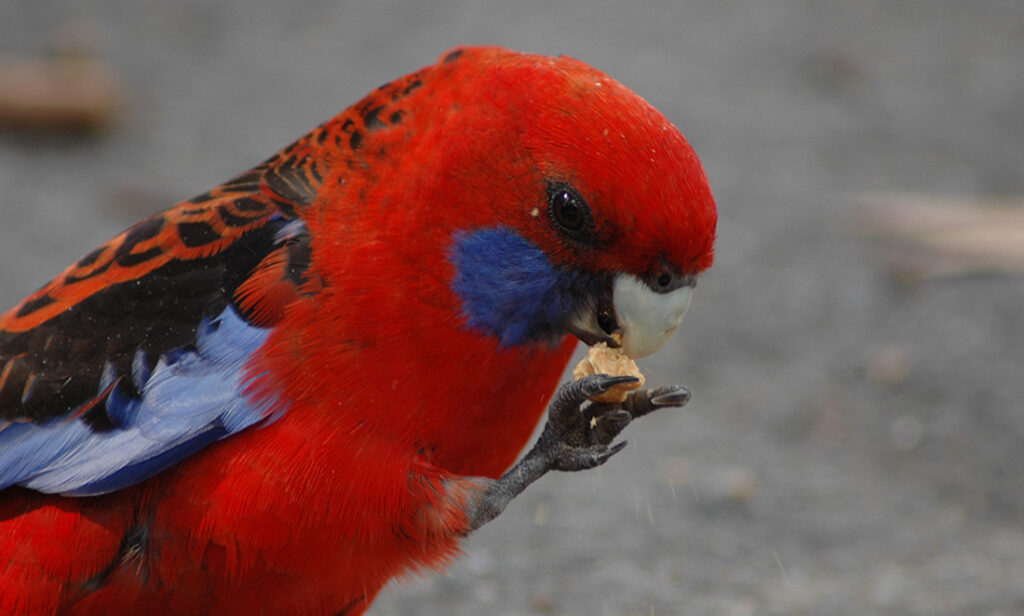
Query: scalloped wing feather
x,y
136,356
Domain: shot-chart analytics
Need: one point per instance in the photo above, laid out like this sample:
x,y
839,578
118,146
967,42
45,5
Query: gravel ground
x,y
853,446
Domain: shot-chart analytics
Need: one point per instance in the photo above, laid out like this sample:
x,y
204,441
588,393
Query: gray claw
x,y
616,448
642,402
571,395
672,398
603,382
585,459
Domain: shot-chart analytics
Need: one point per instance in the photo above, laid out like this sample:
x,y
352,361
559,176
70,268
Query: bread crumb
x,y
601,359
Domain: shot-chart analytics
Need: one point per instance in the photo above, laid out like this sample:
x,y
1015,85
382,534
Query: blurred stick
x,y
71,90
930,236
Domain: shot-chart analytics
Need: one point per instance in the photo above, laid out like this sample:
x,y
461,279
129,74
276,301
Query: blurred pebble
x,y
540,515
735,484
889,367
829,418
543,604
741,608
832,69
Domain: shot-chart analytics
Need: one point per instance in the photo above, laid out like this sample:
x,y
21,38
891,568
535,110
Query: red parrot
x,y
277,396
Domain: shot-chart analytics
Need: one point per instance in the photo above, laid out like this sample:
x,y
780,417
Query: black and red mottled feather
x,y
147,290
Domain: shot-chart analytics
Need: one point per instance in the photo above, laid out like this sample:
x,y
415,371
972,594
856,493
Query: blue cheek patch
x,y
511,290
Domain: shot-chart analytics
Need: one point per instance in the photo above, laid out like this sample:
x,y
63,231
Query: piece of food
x,y
601,359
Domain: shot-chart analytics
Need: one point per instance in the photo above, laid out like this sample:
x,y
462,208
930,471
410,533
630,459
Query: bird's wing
x,y
136,356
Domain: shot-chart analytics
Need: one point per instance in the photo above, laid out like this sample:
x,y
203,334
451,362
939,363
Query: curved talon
x,y
566,403
614,450
581,459
642,402
602,458
603,382
672,398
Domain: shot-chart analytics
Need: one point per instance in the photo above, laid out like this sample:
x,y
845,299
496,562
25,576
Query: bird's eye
x,y
664,279
569,211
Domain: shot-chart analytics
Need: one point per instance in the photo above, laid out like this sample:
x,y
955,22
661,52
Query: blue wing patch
x,y
191,398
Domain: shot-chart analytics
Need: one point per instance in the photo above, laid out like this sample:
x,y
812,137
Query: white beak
x,y
647,319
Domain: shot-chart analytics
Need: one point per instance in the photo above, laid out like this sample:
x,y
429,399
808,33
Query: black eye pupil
x,y
664,279
568,212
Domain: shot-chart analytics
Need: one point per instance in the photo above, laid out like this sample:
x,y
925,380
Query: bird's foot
x,y
576,437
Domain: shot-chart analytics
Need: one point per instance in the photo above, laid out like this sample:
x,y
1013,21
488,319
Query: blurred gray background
x,y
854,441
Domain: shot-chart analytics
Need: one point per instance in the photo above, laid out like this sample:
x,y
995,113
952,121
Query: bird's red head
x,y
548,197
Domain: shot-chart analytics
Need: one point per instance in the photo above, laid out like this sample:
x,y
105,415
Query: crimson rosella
x,y
278,395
